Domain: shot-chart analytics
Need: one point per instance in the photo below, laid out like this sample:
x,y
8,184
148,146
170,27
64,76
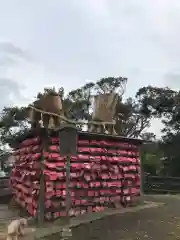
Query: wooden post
x,y
141,175
68,148
68,197
41,206
41,200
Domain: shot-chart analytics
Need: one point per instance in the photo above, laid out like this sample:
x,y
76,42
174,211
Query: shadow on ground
x,y
155,223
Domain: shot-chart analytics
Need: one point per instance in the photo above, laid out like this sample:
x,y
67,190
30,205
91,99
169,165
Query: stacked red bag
x,y
102,174
25,174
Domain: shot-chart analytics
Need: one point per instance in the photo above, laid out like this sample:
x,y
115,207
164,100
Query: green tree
x,y
77,104
151,155
130,121
164,103
12,124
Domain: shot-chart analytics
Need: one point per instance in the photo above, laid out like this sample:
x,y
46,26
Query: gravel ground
x,y
155,223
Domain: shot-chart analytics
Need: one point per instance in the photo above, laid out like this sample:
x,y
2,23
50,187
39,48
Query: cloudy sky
x,y
70,42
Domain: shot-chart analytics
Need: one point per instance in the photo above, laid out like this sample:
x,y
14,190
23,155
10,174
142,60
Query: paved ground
x,y
6,216
155,223
158,223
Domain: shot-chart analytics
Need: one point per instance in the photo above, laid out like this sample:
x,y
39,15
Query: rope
x,y
68,120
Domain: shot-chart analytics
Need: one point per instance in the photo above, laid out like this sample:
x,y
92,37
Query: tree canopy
x,y
132,116
130,120
164,104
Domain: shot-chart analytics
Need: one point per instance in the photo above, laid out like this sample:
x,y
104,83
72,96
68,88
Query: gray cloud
x,y
87,39
9,90
11,53
10,48
172,79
